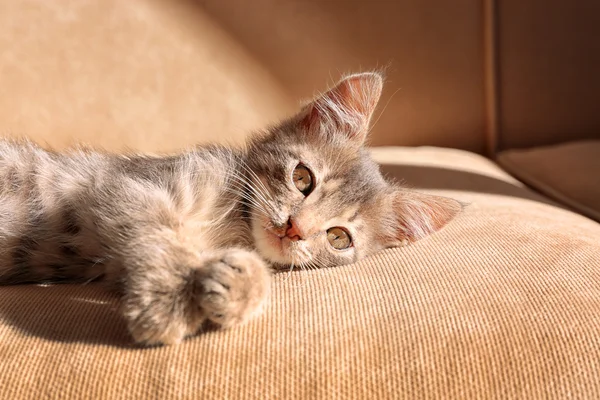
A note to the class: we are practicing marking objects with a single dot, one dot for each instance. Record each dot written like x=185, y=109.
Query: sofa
x=490, y=103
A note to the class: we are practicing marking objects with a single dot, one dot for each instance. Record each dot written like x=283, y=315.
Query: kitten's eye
x=303, y=179
x=339, y=238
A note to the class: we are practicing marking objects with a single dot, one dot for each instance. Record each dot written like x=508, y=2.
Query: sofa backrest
x=549, y=71
x=158, y=75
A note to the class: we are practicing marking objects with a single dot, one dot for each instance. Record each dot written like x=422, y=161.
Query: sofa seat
x=502, y=303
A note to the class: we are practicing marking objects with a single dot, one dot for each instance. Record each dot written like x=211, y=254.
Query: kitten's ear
x=417, y=215
x=346, y=109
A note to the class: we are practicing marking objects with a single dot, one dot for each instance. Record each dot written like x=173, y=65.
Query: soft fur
x=190, y=238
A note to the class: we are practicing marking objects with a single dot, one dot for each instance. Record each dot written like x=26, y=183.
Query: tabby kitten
x=190, y=238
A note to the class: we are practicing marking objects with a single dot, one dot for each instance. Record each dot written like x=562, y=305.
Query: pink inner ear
x=361, y=93
x=346, y=108
x=419, y=215
x=312, y=119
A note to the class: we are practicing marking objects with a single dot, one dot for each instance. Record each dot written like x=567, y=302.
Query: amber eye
x=303, y=179
x=339, y=238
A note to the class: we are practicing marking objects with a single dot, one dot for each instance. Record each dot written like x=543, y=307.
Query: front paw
x=164, y=305
x=234, y=286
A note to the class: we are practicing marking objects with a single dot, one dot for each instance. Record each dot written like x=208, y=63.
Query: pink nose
x=293, y=231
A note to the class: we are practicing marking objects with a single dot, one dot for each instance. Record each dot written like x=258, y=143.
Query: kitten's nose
x=293, y=231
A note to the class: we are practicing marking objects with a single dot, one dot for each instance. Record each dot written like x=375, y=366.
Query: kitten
x=190, y=238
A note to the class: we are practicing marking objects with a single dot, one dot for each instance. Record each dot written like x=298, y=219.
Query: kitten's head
x=318, y=198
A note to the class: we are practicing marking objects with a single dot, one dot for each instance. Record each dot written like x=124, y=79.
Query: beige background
x=164, y=74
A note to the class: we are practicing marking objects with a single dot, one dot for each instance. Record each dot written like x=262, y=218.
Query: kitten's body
x=189, y=237
x=69, y=216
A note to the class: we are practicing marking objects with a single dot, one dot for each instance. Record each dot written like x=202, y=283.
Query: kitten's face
x=317, y=197
x=329, y=196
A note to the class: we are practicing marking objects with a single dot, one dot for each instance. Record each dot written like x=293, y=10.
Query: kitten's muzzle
x=291, y=230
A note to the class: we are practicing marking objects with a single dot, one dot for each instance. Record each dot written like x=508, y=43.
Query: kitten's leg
x=173, y=280
x=174, y=291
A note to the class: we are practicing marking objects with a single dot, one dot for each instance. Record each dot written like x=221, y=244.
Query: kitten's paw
x=159, y=303
x=163, y=306
x=160, y=312
x=234, y=286
x=151, y=321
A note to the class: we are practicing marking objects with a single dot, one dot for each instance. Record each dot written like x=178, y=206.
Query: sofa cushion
x=503, y=302
x=569, y=173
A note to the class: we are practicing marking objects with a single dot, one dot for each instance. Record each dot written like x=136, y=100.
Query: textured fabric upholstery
x=502, y=303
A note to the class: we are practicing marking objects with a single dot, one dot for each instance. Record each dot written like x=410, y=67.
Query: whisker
x=248, y=200
x=289, y=274
x=249, y=170
x=241, y=183
x=262, y=190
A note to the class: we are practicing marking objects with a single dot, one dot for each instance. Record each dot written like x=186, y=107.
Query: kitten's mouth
x=275, y=240
x=278, y=241
x=273, y=244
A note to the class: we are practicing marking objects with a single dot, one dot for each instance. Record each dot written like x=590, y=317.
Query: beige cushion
x=502, y=303
x=570, y=173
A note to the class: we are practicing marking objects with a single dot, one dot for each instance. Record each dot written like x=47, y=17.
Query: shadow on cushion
x=65, y=313
x=436, y=178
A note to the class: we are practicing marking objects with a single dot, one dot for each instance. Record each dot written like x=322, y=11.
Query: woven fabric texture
x=502, y=303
